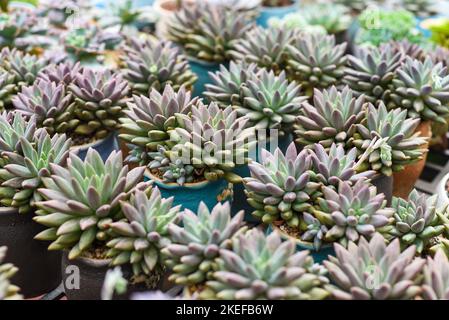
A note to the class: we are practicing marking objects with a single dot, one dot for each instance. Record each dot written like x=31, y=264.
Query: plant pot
x=384, y=185
x=104, y=147
x=190, y=195
x=240, y=202
x=443, y=199
x=266, y=13
x=318, y=256
x=39, y=270
x=202, y=69
x=91, y=274
x=405, y=180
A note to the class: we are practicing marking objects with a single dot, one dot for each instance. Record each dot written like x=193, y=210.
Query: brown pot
x=405, y=180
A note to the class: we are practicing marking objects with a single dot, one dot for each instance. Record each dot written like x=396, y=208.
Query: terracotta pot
x=39, y=270
x=405, y=180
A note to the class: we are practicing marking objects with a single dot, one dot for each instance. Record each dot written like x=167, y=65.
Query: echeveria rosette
x=371, y=72
x=24, y=172
x=407, y=48
x=7, y=271
x=153, y=63
x=83, y=199
x=387, y=142
x=208, y=32
x=436, y=278
x=62, y=73
x=140, y=237
x=314, y=230
x=148, y=120
x=265, y=47
x=336, y=165
x=51, y=103
x=422, y=88
x=416, y=221
x=100, y=98
x=226, y=84
x=353, y=211
x=280, y=186
x=270, y=101
x=213, y=140
x=264, y=267
x=195, y=246
x=15, y=26
x=316, y=61
x=374, y=271
x=332, y=118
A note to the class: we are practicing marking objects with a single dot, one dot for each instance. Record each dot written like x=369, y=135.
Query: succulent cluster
x=100, y=98
x=62, y=73
x=148, y=121
x=264, y=47
x=372, y=71
x=7, y=271
x=423, y=89
x=195, y=246
x=388, y=141
x=280, y=187
x=154, y=64
x=141, y=236
x=264, y=267
x=15, y=26
x=208, y=32
x=353, y=211
x=436, y=278
x=331, y=119
x=374, y=271
x=316, y=61
x=82, y=199
x=416, y=221
x=213, y=140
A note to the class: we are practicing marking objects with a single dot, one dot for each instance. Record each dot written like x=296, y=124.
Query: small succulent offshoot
x=7, y=271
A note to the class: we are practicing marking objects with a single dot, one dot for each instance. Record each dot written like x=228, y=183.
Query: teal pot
x=240, y=202
x=266, y=13
x=190, y=195
x=202, y=69
x=420, y=24
x=39, y=269
x=104, y=147
x=318, y=256
x=384, y=185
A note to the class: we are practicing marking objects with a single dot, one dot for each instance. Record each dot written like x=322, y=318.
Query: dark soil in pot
x=91, y=273
x=39, y=269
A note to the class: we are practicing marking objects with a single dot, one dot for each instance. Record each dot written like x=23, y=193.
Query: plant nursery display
x=224, y=150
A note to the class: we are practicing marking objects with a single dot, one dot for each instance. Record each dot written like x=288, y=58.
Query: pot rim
x=97, y=263
x=173, y=185
x=8, y=210
x=93, y=144
x=443, y=197
x=305, y=244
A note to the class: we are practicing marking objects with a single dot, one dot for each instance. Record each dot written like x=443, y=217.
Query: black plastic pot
x=91, y=274
x=384, y=185
x=39, y=269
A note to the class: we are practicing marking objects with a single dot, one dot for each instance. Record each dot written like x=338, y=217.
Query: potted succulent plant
x=141, y=235
x=388, y=142
x=26, y=157
x=207, y=33
x=363, y=271
x=421, y=88
x=275, y=9
x=326, y=68
x=79, y=204
x=7, y=271
x=192, y=254
x=417, y=221
x=299, y=279
x=435, y=282
x=269, y=102
x=152, y=63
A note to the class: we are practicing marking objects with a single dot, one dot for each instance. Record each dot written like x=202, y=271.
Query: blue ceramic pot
x=104, y=147
x=240, y=202
x=318, y=256
x=202, y=69
x=266, y=13
x=190, y=195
